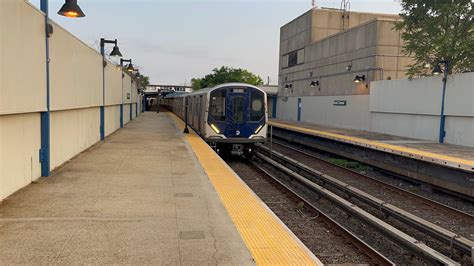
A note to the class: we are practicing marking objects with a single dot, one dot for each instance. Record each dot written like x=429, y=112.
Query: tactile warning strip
x=270, y=242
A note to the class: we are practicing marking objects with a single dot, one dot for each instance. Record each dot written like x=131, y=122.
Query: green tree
x=143, y=80
x=435, y=30
x=224, y=75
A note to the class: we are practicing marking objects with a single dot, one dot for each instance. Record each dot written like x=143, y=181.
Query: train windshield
x=238, y=109
x=257, y=109
x=217, y=106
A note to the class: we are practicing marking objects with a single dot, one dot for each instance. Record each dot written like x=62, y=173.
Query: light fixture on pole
x=45, y=122
x=314, y=83
x=437, y=69
x=358, y=79
x=130, y=69
x=71, y=9
x=115, y=52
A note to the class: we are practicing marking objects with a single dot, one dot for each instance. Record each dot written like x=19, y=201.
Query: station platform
x=444, y=167
x=146, y=195
x=447, y=155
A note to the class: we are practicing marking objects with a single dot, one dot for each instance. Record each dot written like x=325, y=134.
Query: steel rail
x=450, y=238
x=355, y=240
x=393, y=233
x=436, y=204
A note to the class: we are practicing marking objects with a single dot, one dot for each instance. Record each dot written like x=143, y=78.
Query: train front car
x=236, y=118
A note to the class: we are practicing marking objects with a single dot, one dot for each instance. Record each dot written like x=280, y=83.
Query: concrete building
x=323, y=51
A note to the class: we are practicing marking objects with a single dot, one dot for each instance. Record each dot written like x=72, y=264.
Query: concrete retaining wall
x=408, y=108
x=76, y=95
x=411, y=108
x=328, y=110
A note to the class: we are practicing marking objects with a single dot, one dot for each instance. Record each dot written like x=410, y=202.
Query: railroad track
x=325, y=237
x=355, y=178
x=343, y=195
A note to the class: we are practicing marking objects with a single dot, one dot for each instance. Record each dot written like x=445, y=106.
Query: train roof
x=206, y=90
x=175, y=94
x=237, y=84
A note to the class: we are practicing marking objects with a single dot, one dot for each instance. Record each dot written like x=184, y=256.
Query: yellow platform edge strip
x=382, y=145
x=269, y=241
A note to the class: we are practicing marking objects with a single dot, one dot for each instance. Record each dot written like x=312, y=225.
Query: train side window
x=257, y=109
x=217, y=106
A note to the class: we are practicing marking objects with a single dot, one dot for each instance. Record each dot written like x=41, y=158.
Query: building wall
x=324, y=110
x=112, y=113
x=126, y=113
x=76, y=94
x=21, y=54
x=365, y=48
x=408, y=108
x=326, y=22
x=73, y=131
x=19, y=146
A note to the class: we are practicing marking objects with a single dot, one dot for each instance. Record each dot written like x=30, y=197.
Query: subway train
x=231, y=118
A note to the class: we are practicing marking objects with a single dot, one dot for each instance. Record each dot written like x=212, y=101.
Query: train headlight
x=215, y=129
x=258, y=129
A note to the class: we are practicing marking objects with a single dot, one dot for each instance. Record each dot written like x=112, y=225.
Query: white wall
x=126, y=113
x=411, y=108
x=287, y=108
x=408, y=108
x=19, y=157
x=321, y=110
x=22, y=58
x=113, y=121
x=72, y=132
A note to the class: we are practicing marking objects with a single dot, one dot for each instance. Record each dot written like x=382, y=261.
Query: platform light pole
x=130, y=69
x=45, y=118
x=115, y=52
x=442, y=122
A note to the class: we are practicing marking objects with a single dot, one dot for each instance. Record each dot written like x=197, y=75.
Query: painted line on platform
x=431, y=157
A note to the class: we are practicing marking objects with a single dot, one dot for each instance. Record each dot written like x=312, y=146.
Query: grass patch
x=349, y=164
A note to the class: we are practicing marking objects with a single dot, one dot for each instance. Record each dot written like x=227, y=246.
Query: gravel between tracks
x=324, y=246
x=441, y=217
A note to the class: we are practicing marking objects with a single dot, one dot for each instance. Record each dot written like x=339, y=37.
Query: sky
x=172, y=41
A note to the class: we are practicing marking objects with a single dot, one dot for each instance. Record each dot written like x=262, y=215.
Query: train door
x=193, y=99
x=200, y=114
x=237, y=112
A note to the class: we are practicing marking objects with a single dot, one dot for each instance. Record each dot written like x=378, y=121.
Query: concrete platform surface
x=140, y=197
x=454, y=156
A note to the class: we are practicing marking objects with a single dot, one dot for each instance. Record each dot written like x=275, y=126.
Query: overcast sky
x=173, y=41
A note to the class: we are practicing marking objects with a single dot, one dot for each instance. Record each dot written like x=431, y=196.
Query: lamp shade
x=130, y=68
x=70, y=9
x=437, y=70
x=358, y=78
x=116, y=52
